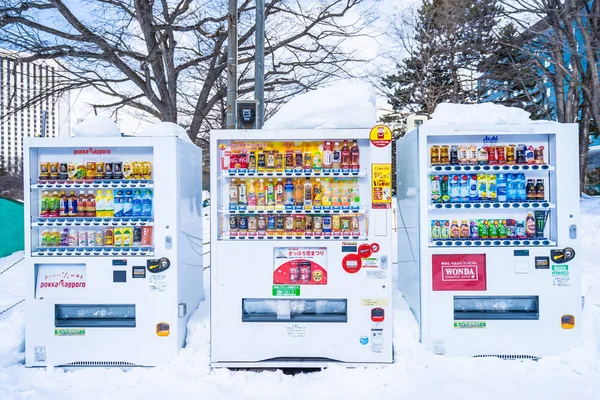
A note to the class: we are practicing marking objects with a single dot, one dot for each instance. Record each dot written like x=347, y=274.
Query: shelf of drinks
x=530, y=205
x=93, y=221
x=449, y=169
x=297, y=174
x=122, y=183
x=348, y=212
x=92, y=251
x=294, y=237
x=493, y=243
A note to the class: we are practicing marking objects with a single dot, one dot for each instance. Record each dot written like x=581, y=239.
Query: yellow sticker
x=380, y=136
x=381, y=186
x=374, y=302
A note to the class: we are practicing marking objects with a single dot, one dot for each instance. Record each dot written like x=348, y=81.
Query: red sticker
x=352, y=263
x=364, y=250
x=375, y=247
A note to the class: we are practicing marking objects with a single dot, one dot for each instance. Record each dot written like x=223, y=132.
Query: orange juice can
x=146, y=236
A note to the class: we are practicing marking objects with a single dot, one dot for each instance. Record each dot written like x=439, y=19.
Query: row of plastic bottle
x=298, y=194
x=103, y=203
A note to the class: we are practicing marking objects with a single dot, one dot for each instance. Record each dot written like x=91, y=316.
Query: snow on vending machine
x=487, y=238
x=113, y=249
x=301, y=242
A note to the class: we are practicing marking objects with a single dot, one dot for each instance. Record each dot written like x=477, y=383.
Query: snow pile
x=98, y=125
x=473, y=114
x=166, y=129
x=347, y=104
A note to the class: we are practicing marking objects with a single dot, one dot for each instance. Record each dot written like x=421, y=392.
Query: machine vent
x=509, y=356
x=99, y=364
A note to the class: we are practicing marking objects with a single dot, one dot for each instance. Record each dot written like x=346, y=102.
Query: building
x=21, y=83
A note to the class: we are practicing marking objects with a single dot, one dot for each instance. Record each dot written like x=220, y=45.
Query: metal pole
x=259, y=63
x=232, y=60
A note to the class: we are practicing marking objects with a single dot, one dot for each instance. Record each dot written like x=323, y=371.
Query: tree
x=167, y=59
x=448, y=42
x=565, y=42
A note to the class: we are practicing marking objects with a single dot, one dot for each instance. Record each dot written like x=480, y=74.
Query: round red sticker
x=380, y=136
x=352, y=263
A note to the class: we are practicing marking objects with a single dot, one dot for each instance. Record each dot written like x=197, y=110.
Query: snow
x=416, y=372
x=347, y=104
x=473, y=114
x=97, y=125
x=166, y=129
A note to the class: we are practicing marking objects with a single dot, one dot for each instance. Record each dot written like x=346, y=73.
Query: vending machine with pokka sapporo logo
x=300, y=247
x=113, y=249
x=487, y=237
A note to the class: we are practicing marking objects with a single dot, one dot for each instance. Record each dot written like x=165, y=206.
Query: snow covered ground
x=415, y=374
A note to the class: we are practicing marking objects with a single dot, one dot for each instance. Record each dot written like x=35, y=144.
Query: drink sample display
x=126, y=236
x=483, y=187
x=95, y=170
x=309, y=157
x=511, y=154
x=96, y=204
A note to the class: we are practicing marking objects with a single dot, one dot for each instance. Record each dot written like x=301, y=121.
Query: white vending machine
x=488, y=238
x=300, y=248
x=113, y=249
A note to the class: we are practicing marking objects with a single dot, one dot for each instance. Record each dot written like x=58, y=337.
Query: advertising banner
x=56, y=280
x=382, y=186
x=458, y=272
x=300, y=266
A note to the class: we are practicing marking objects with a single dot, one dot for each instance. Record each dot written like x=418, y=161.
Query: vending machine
x=488, y=238
x=113, y=249
x=300, y=247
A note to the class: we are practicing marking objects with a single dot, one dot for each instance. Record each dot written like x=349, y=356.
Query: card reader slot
x=496, y=308
x=302, y=310
x=94, y=315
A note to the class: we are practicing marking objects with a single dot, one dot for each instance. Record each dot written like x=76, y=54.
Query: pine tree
x=452, y=39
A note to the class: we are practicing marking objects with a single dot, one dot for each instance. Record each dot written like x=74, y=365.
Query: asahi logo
x=459, y=273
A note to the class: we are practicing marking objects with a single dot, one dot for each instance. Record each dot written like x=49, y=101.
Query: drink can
x=108, y=170
x=233, y=225
x=136, y=170
x=289, y=161
x=435, y=189
x=436, y=230
x=435, y=155
x=118, y=170
x=243, y=225
x=305, y=271
x=308, y=225
x=243, y=160
x=492, y=155
x=109, y=237
x=280, y=224
x=539, y=155
x=53, y=170
x=445, y=230
x=271, y=223
x=454, y=155
x=99, y=170
x=137, y=235
x=127, y=170
x=501, y=155
x=445, y=155
x=520, y=154
x=71, y=171
x=308, y=161
x=90, y=168
x=146, y=236
x=462, y=155
x=294, y=271
x=91, y=238
x=299, y=225
x=99, y=238
x=336, y=223
x=510, y=154
x=261, y=161
x=317, y=225
x=472, y=154
x=278, y=160
x=234, y=160
x=346, y=225
x=298, y=159
x=146, y=170
x=44, y=170
x=482, y=156
x=83, y=238
x=530, y=155
x=252, y=161
x=326, y=225
x=270, y=160
x=289, y=224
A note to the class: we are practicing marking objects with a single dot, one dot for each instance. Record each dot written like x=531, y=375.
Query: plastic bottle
x=109, y=204
x=464, y=189
x=72, y=204
x=355, y=156
x=128, y=203
x=454, y=189
x=327, y=155
x=81, y=205
x=346, y=194
x=54, y=205
x=317, y=193
x=327, y=193
x=44, y=205
x=251, y=195
x=336, y=199
x=147, y=204
x=308, y=194
x=289, y=193
x=473, y=192
x=91, y=205
x=345, y=156
x=530, y=226
x=270, y=192
x=336, y=158
x=242, y=194
x=317, y=160
x=261, y=199
x=355, y=195
x=100, y=204
x=511, y=188
x=501, y=187
x=233, y=194
x=136, y=203
x=279, y=195
x=298, y=193
x=118, y=204
x=73, y=238
x=64, y=237
x=63, y=207
x=521, y=188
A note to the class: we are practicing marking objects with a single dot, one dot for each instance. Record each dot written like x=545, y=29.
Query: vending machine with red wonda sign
x=301, y=241
x=113, y=249
x=487, y=238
